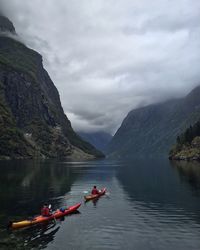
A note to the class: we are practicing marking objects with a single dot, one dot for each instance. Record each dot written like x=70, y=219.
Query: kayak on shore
x=95, y=196
x=59, y=213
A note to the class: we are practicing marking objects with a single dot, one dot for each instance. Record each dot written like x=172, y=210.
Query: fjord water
x=151, y=204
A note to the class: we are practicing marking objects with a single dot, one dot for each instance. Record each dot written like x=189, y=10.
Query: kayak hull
x=41, y=219
x=95, y=196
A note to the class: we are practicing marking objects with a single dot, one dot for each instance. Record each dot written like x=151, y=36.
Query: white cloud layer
x=107, y=57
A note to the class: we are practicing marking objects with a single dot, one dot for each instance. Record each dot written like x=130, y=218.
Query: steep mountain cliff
x=153, y=129
x=6, y=25
x=32, y=120
x=99, y=140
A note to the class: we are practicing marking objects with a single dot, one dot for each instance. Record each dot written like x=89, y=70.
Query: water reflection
x=26, y=185
x=149, y=180
x=154, y=184
x=36, y=237
x=94, y=201
x=150, y=204
x=189, y=172
x=39, y=237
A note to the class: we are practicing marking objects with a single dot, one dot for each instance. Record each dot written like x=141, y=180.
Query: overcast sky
x=107, y=57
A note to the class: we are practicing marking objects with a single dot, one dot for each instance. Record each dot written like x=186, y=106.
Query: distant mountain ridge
x=99, y=140
x=152, y=130
x=32, y=121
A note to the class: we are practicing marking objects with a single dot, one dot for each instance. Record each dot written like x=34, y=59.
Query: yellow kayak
x=40, y=219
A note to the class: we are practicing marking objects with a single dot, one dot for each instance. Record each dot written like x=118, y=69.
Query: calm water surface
x=151, y=204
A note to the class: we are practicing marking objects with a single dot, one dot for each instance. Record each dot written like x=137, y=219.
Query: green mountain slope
x=153, y=129
x=99, y=140
x=31, y=111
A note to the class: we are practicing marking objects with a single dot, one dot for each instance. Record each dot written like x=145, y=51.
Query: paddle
x=52, y=214
x=49, y=206
x=106, y=193
x=86, y=192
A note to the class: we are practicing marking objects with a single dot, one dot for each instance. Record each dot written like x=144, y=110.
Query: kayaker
x=95, y=190
x=45, y=211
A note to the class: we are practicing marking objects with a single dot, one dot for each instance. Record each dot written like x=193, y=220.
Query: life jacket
x=45, y=211
x=95, y=191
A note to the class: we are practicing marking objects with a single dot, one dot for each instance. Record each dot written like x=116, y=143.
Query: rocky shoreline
x=189, y=152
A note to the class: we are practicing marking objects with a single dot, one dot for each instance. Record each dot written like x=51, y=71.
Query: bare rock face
x=30, y=107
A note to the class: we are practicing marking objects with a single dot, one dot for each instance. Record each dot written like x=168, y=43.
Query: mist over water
x=151, y=204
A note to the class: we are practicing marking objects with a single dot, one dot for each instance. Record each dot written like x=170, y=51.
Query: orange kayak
x=95, y=196
x=40, y=219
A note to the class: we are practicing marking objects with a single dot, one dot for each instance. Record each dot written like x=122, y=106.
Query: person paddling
x=45, y=211
x=95, y=190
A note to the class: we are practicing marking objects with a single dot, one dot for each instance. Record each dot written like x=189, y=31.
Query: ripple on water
x=134, y=216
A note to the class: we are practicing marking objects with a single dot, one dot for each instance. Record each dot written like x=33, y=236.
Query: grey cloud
x=87, y=115
x=108, y=57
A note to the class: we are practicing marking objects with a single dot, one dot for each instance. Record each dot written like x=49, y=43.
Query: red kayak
x=95, y=196
x=40, y=219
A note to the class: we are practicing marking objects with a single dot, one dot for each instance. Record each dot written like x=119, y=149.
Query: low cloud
x=107, y=57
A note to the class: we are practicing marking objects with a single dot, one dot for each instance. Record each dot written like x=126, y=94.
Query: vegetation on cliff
x=32, y=121
x=151, y=130
x=18, y=57
x=12, y=141
x=187, y=145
